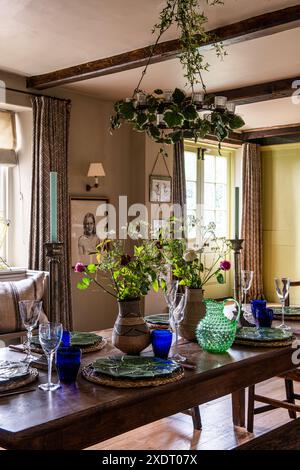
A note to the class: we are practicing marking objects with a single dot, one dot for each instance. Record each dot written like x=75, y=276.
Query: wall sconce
x=95, y=170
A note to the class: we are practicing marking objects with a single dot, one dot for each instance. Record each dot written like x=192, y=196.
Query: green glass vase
x=216, y=333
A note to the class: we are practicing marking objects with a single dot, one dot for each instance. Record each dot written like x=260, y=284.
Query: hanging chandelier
x=168, y=116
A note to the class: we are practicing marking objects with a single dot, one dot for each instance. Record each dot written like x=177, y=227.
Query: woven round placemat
x=265, y=344
x=101, y=379
x=84, y=349
x=13, y=384
x=157, y=326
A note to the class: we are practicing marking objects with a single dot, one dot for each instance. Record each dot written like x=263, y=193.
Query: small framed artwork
x=88, y=214
x=160, y=188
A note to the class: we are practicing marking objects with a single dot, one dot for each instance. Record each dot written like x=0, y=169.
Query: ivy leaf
x=190, y=112
x=235, y=122
x=173, y=118
x=154, y=132
x=127, y=110
x=175, y=136
x=163, y=284
x=220, y=278
x=178, y=96
x=141, y=119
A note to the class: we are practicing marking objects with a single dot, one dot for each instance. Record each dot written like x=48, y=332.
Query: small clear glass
x=30, y=311
x=50, y=335
x=177, y=317
x=170, y=294
x=246, y=281
x=282, y=290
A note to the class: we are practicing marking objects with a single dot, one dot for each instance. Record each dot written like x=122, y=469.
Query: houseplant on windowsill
x=130, y=278
x=195, y=268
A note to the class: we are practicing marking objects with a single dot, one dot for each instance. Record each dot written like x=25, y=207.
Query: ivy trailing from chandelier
x=169, y=116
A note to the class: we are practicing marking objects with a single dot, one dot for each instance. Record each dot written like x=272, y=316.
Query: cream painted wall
x=281, y=221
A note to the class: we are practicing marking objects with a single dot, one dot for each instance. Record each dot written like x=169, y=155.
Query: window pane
x=221, y=196
x=209, y=168
x=209, y=216
x=190, y=161
x=221, y=170
x=221, y=223
x=6, y=130
x=191, y=229
x=209, y=196
x=191, y=194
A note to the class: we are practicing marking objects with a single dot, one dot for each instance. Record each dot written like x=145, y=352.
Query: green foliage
x=194, y=268
x=130, y=277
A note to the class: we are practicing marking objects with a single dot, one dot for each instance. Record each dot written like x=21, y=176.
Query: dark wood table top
x=76, y=416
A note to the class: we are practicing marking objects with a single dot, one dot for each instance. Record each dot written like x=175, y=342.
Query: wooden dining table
x=83, y=414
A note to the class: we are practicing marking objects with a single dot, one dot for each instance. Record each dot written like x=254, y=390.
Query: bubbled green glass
x=216, y=333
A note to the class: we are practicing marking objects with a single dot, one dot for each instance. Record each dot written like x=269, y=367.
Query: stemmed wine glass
x=177, y=317
x=282, y=290
x=246, y=281
x=30, y=311
x=170, y=294
x=50, y=335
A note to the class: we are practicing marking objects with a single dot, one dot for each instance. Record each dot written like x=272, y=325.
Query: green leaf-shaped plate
x=293, y=311
x=78, y=338
x=135, y=367
x=262, y=334
x=159, y=319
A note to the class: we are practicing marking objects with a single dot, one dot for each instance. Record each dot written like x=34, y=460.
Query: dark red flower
x=225, y=265
x=79, y=268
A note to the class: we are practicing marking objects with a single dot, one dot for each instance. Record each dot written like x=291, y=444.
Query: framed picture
x=86, y=214
x=160, y=188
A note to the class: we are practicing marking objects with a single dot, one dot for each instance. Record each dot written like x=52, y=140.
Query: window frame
x=5, y=189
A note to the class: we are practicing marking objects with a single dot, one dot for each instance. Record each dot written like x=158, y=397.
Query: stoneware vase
x=130, y=334
x=194, y=312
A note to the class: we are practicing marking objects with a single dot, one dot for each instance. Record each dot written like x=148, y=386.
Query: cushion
x=11, y=292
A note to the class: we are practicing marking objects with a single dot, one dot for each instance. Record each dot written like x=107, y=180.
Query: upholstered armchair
x=15, y=285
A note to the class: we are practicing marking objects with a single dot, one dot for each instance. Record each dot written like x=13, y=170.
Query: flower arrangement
x=129, y=276
x=190, y=266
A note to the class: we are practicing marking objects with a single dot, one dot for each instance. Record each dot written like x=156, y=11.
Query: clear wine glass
x=50, y=335
x=170, y=294
x=246, y=281
x=30, y=311
x=177, y=316
x=282, y=290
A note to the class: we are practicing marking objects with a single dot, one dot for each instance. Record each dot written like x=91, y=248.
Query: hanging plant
x=169, y=117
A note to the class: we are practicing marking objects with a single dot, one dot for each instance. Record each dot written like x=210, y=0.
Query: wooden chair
x=271, y=404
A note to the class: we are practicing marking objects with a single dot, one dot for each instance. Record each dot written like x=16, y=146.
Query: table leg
x=238, y=408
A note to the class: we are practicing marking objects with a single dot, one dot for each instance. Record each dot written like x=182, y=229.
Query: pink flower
x=225, y=265
x=79, y=268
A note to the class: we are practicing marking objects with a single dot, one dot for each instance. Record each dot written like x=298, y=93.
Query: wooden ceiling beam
x=258, y=26
x=276, y=131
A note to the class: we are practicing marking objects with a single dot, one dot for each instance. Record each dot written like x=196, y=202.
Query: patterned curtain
x=179, y=184
x=50, y=153
x=252, y=217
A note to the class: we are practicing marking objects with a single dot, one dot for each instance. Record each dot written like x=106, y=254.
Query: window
x=3, y=211
x=207, y=188
x=7, y=158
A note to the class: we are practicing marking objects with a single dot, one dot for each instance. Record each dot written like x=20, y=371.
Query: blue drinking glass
x=264, y=318
x=67, y=364
x=161, y=341
x=257, y=306
x=66, y=339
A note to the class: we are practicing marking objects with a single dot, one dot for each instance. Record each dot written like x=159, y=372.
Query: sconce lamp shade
x=96, y=169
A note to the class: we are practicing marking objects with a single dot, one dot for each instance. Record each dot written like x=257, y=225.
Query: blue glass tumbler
x=257, y=306
x=67, y=364
x=66, y=339
x=161, y=341
x=264, y=318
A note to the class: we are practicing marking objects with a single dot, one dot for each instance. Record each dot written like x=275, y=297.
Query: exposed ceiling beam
x=263, y=91
x=277, y=131
x=255, y=27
